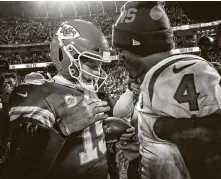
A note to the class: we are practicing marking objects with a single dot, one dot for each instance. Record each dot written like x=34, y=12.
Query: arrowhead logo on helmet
x=67, y=32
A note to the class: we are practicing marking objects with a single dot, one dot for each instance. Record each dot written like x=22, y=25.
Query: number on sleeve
x=186, y=92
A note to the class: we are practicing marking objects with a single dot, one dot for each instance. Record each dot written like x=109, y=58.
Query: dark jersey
x=84, y=152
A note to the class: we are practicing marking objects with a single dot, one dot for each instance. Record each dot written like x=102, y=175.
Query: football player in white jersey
x=180, y=100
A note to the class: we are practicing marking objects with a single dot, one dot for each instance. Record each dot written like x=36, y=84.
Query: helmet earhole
x=60, y=55
x=73, y=71
x=70, y=48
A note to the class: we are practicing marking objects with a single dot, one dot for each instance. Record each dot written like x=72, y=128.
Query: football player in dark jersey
x=56, y=127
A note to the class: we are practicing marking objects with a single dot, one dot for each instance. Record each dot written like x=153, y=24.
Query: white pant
x=164, y=167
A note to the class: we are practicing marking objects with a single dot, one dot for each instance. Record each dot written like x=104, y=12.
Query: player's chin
x=88, y=80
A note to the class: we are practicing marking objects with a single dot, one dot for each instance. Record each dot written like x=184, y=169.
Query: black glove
x=29, y=129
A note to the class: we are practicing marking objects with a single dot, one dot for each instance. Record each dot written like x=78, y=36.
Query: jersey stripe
x=44, y=116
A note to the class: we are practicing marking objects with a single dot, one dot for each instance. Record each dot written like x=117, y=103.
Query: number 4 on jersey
x=186, y=92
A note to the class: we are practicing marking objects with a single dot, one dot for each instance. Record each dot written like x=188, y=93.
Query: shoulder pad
x=24, y=91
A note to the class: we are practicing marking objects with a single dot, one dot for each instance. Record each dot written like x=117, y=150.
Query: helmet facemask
x=77, y=62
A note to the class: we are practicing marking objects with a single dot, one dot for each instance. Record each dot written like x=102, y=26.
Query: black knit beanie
x=143, y=28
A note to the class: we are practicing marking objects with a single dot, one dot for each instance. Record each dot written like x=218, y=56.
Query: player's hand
x=134, y=86
x=133, y=63
x=30, y=129
x=129, y=135
x=82, y=115
x=127, y=153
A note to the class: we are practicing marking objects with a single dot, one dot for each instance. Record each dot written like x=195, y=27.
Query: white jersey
x=180, y=86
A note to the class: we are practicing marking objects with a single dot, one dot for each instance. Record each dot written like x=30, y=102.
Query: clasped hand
x=128, y=148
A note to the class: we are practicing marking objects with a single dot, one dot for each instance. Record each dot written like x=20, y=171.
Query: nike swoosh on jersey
x=23, y=94
x=177, y=70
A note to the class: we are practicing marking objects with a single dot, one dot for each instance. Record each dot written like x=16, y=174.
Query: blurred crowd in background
x=37, y=30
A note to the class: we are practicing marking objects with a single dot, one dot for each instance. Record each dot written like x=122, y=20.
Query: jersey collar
x=59, y=79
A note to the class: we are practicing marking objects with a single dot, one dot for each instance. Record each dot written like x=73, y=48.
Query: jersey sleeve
x=124, y=107
x=29, y=101
x=35, y=144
